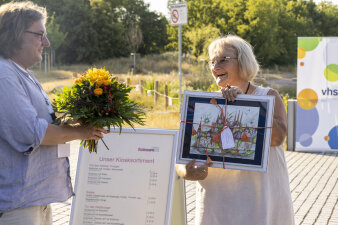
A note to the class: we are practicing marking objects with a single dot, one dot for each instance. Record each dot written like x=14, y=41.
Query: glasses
x=221, y=61
x=42, y=35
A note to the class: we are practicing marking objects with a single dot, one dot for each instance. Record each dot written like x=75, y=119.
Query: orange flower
x=99, y=82
x=77, y=81
x=107, y=82
x=98, y=91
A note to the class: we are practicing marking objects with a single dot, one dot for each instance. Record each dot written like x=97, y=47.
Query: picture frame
x=249, y=119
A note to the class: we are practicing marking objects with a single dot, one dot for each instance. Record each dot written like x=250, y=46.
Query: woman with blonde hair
x=235, y=197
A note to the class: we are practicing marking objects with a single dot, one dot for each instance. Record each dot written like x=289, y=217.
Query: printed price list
x=150, y=218
x=99, y=174
x=152, y=179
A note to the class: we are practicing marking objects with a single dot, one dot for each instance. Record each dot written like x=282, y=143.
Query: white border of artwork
x=228, y=165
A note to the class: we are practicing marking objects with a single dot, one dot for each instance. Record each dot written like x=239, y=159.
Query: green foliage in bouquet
x=98, y=100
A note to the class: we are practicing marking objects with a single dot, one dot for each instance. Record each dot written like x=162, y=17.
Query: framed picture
x=205, y=117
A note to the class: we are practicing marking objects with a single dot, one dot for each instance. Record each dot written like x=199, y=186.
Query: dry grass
x=53, y=80
x=165, y=120
x=53, y=75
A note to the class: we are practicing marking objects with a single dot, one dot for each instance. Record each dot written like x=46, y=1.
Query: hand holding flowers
x=98, y=100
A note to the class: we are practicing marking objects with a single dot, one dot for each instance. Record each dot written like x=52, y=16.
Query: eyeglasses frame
x=42, y=35
x=211, y=64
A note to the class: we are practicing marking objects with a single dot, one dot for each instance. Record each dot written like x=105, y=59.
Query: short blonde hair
x=248, y=65
x=15, y=18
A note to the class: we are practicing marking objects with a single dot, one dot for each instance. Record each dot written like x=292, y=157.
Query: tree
x=200, y=38
x=327, y=21
x=55, y=36
x=110, y=31
x=84, y=31
x=81, y=42
x=134, y=36
x=203, y=12
x=271, y=26
x=154, y=29
x=200, y=14
x=262, y=29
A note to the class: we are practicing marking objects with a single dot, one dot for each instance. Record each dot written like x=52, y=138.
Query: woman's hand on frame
x=231, y=92
x=194, y=172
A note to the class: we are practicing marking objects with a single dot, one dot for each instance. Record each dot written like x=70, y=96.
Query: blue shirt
x=31, y=174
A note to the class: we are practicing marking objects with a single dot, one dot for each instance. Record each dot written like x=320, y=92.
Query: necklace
x=247, y=89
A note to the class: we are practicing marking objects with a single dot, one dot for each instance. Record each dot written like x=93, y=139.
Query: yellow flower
x=98, y=91
x=95, y=74
x=77, y=81
x=107, y=82
x=99, y=82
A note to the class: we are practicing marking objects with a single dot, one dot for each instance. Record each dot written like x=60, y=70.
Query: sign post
x=179, y=17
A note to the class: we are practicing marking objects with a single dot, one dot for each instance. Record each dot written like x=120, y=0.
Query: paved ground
x=313, y=182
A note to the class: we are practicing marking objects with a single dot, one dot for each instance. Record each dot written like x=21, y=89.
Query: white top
x=235, y=197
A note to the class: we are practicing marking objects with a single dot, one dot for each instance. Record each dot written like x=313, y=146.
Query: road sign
x=179, y=14
x=179, y=17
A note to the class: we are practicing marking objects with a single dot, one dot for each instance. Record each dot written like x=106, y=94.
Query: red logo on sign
x=174, y=16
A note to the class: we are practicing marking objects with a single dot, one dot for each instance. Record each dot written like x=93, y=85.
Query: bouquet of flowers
x=97, y=99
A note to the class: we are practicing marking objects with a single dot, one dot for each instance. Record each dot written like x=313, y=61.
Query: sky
x=158, y=6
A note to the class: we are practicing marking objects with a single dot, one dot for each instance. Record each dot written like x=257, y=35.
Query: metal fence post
x=291, y=130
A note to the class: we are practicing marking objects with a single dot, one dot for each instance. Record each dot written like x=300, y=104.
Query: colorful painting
x=208, y=122
x=244, y=125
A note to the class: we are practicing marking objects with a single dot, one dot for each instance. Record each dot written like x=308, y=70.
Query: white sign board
x=317, y=94
x=179, y=14
x=132, y=183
